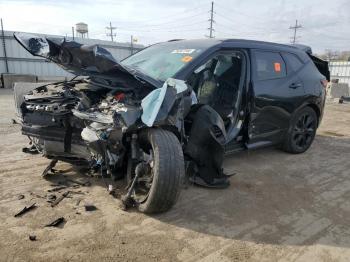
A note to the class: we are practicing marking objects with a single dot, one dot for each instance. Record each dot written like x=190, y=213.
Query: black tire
x=168, y=171
x=301, y=132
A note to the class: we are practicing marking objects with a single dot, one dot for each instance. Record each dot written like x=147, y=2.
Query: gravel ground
x=279, y=207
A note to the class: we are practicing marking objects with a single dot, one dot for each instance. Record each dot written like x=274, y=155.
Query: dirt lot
x=280, y=207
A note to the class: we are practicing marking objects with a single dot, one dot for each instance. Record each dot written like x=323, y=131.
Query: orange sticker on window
x=186, y=59
x=277, y=67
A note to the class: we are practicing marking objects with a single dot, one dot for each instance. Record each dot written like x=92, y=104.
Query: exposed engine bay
x=70, y=116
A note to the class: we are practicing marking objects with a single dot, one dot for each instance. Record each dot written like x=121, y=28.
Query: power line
x=295, y=28
x=175, y=21
x=230, y=11
x=161, y=19
x=111, y=28
x=160, y=29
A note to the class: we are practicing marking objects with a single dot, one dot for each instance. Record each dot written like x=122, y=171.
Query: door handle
x=295, y=85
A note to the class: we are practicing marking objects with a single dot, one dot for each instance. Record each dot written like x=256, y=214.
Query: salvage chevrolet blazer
x=172, y=110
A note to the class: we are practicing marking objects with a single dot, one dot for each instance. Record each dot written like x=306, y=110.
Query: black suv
x=172, y=108
x=266, y=93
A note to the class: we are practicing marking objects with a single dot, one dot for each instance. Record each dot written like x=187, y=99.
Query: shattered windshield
x=162, y=61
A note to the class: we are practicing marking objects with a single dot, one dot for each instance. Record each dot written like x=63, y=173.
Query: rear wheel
x=301, y=132
x=158, y=189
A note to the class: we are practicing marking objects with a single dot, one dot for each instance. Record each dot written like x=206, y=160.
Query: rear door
x=276, y=90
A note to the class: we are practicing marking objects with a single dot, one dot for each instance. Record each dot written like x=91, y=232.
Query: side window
x=216, y=82
x=269, y=65
x=293, y=62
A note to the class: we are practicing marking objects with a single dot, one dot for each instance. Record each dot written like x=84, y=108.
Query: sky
x=325, y=23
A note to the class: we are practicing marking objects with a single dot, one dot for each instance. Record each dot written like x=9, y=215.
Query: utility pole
x=295, y=28
x=211, y=20
x=4, y=46
x=73, y=32
x=132, y=44
x=111, y=28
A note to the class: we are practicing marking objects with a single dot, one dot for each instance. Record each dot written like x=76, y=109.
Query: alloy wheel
x=304, y=131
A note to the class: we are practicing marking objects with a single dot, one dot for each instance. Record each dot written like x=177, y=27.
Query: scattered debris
x=57, y=189
x=77, y=192
x=30, y=150
x=51, y=198
x=25, y=210
x=90, y=208
x=19, y=197
x=56, y=184
x=87, y=183
x=59, y=199
x=14, y=121
x=36, y=195
x=32, y=237
x=78, y=202
x=49, y=167
x=56, y=222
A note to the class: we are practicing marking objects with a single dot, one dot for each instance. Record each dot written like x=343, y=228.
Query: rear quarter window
x=293, y=62
x=269, y=65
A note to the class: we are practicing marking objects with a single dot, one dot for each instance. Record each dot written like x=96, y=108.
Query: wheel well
x=317, y=111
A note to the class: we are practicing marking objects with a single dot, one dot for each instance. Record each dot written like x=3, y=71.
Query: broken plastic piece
x=56, y=222
x=25, y=210
x=90, y=208
x=51, y=198
x=30, y=150
x=59, y=199
x=56, y=189
x=19, y=197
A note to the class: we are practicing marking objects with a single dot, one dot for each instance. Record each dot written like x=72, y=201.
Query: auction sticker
x=183, y=51
x=186, y=59
x=277, y=67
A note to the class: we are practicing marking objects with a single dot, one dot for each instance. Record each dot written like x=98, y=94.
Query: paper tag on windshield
x=183, y=51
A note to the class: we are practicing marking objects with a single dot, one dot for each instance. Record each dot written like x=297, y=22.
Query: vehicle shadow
x=276, y=198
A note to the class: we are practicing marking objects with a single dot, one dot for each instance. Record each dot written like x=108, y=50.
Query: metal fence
x=15, y=59
x=340, y=71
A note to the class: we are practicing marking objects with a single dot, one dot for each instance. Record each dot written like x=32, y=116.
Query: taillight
x=324, y=83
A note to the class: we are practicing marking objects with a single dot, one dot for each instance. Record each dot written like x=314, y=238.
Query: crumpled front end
x=81, y=121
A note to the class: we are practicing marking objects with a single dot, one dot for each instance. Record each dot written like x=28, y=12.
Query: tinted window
x=293, y=61
x=269, y=65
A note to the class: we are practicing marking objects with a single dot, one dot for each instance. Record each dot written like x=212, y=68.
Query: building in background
x=18, y=61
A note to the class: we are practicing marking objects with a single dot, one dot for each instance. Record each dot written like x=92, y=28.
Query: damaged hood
x=85, y=60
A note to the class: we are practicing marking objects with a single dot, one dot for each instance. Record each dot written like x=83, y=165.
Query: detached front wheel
x=158, y=188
